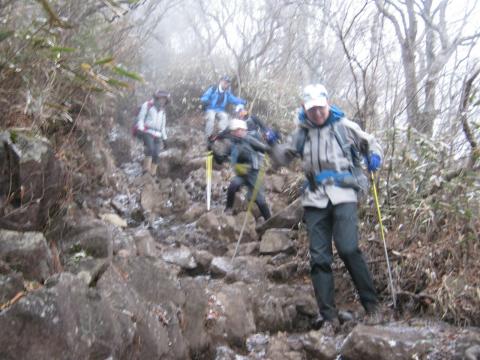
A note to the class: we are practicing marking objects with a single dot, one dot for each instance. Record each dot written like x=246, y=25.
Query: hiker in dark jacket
x=244, y=153
x=330, y=200
x=215, y=101
x=151, y=122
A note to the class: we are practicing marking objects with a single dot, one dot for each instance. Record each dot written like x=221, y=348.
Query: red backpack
x=134, y=130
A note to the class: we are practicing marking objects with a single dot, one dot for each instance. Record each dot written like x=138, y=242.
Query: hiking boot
x=147, y=164
x=374, y=317
x=153, y=169
x=228, y=211
x=345, y=316
x=328, y=327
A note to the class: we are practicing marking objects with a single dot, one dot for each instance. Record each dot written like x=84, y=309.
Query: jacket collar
x=335, y=115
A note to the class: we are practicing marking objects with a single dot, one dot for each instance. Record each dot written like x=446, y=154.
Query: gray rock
x=230, y=317
x=179, y=197
x=75, y=233
x=155, y=201
x=283, y=272
x=181, y=256
x=10, y=285
x=381, y=342
x=220, y=266
x=283, y=307
x=275, y=241
x=27, y=253
x=275, y=183
x=203, y=259
x=31, y=177
x=149, y=295
x=122, y=241
x=145, y=243
x=248, y=269
x=64, y=320
x=318, y=346
x=279, y=347
x=88, y=269
x=473, y=353
x=287, y=218
x=226, y=228
x=194, y=212
x=194, y=314
x=244, y=249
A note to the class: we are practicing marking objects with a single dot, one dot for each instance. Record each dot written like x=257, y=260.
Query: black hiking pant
x=340, y=222
x=249, y=181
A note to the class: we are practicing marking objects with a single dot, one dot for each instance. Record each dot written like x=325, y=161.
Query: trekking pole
x=209, y=178
x=375, y=195
x=256, y=189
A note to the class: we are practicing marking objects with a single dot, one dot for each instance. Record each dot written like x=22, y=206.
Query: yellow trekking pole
x=256, y=189
x=375, y=195
x=208, y=172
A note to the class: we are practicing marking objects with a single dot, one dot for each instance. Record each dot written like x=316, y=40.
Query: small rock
x=115, y=220
x=181, y=256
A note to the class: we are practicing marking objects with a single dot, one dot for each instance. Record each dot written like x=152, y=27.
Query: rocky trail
x=138, y=269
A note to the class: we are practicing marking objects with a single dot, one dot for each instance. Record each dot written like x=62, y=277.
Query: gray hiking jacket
x=322, y=151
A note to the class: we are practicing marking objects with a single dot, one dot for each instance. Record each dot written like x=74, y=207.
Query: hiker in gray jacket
x=327, y=142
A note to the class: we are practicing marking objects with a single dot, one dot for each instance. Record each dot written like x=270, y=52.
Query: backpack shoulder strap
x=301, y=139
x=341, y=136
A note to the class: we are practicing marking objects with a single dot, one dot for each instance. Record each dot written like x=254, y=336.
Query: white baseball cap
x=314, y=95
x=238, y=124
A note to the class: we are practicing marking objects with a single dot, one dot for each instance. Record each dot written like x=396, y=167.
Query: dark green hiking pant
x=339, y=221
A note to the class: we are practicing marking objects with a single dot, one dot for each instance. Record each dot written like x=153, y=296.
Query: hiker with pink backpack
x=150, y=126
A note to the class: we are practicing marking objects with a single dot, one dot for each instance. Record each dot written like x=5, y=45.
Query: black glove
x=219, y=159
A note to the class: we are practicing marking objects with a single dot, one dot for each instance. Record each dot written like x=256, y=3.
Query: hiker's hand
x=271, y=136
x=141, y=128
x=373, y=162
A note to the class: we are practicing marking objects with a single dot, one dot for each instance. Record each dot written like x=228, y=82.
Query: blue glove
x=373, y=162
x=271, y=136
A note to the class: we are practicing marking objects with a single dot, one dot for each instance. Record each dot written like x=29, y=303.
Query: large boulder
x=149, y=295
x=230, y=315
x=27, y=253
x=65, y=320
x=11, y=283
x=415, y=340
x=367, y=342
x=32, y=181
x=77, y=233
x=283, y=307
x=195, y=312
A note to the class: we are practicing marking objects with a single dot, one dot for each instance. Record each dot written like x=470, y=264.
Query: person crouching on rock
x=243, y=151
x=151, y=122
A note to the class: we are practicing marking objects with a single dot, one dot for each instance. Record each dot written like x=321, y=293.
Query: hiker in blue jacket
x=326, y=140
x=215, y=101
